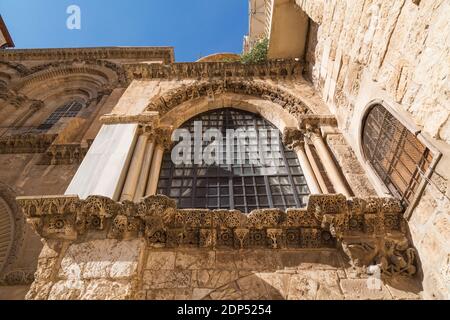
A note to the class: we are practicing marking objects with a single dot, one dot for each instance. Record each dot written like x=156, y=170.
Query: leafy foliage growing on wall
x=258, y=54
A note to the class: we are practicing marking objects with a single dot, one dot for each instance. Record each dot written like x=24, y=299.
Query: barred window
x=69, y=110
x=396, y=154
x=243, y=187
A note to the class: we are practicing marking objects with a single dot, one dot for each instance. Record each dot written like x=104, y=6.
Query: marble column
x=316, y=169
x=308, y=172
x=155, y=170
x=328, y=162
x=143, y=177
x=134, y=171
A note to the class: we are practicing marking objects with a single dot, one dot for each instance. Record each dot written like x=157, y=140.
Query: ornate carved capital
x=163, y=137
x=292, y=138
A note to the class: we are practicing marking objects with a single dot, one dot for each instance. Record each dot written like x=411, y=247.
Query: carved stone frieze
x=369, y=231
x=65, y=154
x=17, y=278
x=26, y=143
x=170, y=100
x=165, y=54
x=210, y=70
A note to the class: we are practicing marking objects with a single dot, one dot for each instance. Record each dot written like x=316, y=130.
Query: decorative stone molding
x=26, y=143
x=145, y=118
x=329, y=221
x=163, y=53
x=17, y=278
x=65, y=154
x=211, y=70
x=66, y=67
x=316, y=121
x=173, y=98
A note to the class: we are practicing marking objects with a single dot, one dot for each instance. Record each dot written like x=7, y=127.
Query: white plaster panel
x=104, y=167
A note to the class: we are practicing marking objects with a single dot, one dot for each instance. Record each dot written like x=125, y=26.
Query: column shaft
x=316, y=169
x=329, y=164
x=155, y=170
x=135, y=169
x=308, y=172
x=143, y=177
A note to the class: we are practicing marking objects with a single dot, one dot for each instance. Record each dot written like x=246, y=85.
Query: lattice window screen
x=244, y=187
x=69, y=110
x=395, y=153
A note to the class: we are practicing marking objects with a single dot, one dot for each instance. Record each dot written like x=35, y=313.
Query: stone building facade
x=359, y=92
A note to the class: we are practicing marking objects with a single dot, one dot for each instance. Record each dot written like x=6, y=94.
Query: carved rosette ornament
x=369, y=231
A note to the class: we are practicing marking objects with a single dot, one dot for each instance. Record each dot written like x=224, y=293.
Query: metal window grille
x=243, y=187
x=396, y=155
x=69, y=110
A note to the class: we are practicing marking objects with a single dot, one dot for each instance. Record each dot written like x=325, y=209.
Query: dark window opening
x=243, y=187
x=69, y=110
x=395, y=153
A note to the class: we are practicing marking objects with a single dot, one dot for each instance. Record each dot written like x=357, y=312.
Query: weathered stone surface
x=101, y=259
x=160, y=260
x=166, y=279
x=107, y=290
x=195, y=260
x=358, y=289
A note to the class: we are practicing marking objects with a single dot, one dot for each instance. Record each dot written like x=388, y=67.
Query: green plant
x=258, y=54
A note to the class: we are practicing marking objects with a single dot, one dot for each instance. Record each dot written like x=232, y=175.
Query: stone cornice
x=316, y=121
x=370, y=231
x=145, y=118
x=166, y=54
x=215, y=70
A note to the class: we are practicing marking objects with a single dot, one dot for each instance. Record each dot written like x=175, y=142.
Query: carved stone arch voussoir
x=112, y=73
x=169, y=100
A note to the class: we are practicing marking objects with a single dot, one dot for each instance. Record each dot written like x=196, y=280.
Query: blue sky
x=194, y=27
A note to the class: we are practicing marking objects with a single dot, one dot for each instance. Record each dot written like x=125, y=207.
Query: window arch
x=69, y=110
x=243, y=187
x=397, y=156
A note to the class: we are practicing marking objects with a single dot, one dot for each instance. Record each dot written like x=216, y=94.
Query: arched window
x=245, y=186
x=69, y=110
x=6, y=232
x=396, y=154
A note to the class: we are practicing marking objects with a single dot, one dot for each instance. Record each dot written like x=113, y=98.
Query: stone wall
x=101, y=249
x=110, y=269
x=398, y=52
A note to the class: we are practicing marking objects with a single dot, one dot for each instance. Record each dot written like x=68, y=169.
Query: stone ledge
x=369, y=231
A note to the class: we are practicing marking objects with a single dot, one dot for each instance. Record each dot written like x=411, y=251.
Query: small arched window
x=244, y=186
x=69, y=110
x=395, y=153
